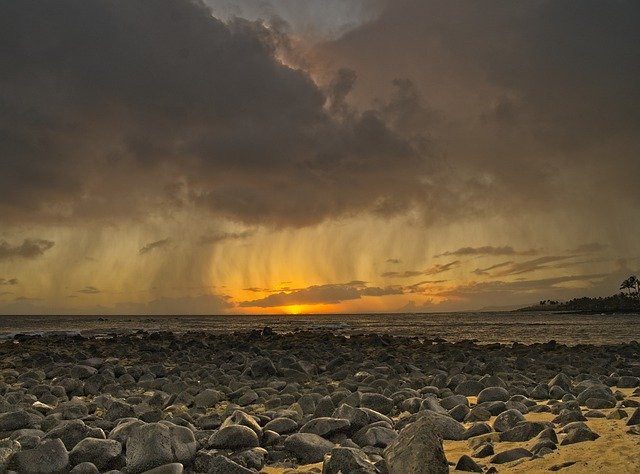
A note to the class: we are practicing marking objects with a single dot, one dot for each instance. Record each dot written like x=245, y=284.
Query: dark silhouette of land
x=619, y=303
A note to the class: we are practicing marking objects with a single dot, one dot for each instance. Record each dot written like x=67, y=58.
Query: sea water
x=482, y=327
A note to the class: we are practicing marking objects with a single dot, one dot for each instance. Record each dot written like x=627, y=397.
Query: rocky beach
x=265, y=401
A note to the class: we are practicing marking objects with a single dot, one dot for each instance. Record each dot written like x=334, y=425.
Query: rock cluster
x=207, y=403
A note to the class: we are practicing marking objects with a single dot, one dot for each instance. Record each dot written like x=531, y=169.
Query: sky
x=303, y=156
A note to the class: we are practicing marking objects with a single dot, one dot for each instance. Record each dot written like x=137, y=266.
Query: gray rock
x=459, y=412
x=118, y=410
x=524, y=431
x=493, y=394
x=123, y=430
x=601, y=392
x=251, y=458
x=17, y=420
x=568, y=416
x=617, y=414
x=308, y=447
x=477, y=429
x=417, y=450
x=149, y=446
x=442, y=425
x=324, y=407
x=281, y=425
x=105, y=454
x=578, y=435
x=72, y=432
x=234, y=437
x=635, y=418
x=223, y=465
x=263, y=367
x=50, y=457
x=241, y=418
x=478, y=414
x=348, y=460
x=377, y=402
x=453, y=400
x=183, y=442
x=207, y=398
x=432, y=404
x=465, y=463
x=85, y=468
x=628, y=381
x=325, y=426
x=484, y=450
x=540, y=392
x=599, y=403
x=171, y=468
x=511, y=455
x=561, y=380
x=8, y=448
x=248, y=398
x=378, y=436
x=507, y=420
x=357, y=417
x=469, y=388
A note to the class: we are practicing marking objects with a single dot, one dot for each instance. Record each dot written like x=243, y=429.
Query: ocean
x=482, y=327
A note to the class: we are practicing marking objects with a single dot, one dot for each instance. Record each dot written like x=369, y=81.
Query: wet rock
x=105, y=454
x=50, y=457
x=308, y=447
x=417, y=449
x=348, y=460
x=466, y=464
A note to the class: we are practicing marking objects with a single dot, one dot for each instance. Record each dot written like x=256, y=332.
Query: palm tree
x=628, y=284
x=635, y=284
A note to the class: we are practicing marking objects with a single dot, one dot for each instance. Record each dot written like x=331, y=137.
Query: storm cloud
x=321, y=294
x=118, y=108
x=29, y=248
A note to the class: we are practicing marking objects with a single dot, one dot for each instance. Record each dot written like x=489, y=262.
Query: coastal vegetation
x=628, y=300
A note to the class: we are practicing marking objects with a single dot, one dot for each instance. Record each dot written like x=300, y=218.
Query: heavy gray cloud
x=119, y=108
x=154, y=245
x=487, y=250
x=29, y=248
x=433, y=270
x=321, y=294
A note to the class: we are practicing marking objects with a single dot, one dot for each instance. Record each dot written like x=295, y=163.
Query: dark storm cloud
x=29, y=248
x=119, y=108
x=593, y=247
x=528, y=266
x=89, y=290
x=487, y=251
x=8, y=281
x=537, y=96
x=215, y=238
x=434, y=270
x=321, y=294
x=154, y=245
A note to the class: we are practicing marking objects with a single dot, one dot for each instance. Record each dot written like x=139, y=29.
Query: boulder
x=308, y=447
x=50, y=457
x=348, y=460
x=105, y=454
x=417, y=450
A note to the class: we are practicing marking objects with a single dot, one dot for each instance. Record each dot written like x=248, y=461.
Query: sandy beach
x=261, y=401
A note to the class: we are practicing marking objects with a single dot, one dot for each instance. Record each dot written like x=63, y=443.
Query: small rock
x=493, y=394
x=171, y=468
x=223, y=465
x=348, y=460
x=325, y=426
x=635, y=418
x=524, y=431
x=281, y=425
x=85, y=468
x=465, y=463
x=578, y=435
x=50, y=457
x=103, y=453
x=511, y=455
x=234, y=437
x=507, y=420
x=308, y=447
